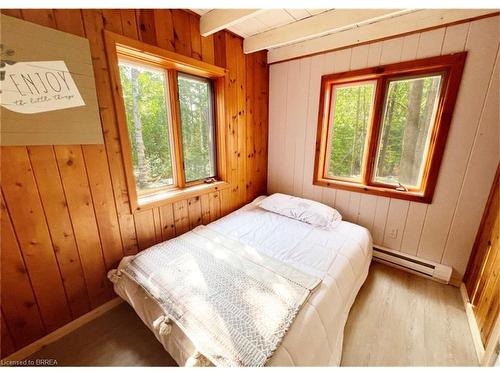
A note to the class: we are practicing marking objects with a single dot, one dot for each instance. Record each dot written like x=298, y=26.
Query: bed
x=339, y=257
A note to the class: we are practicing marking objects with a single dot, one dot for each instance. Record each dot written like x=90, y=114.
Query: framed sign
x=47, y=87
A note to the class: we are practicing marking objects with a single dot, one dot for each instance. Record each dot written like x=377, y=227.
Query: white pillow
x=304, y=210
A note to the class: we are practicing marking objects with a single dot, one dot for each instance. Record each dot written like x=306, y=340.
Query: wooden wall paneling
x=482, y=43
x=95, y=155
x=263, y=128
x=258, y=164
x=145, y=227
x=205, y=209
x=396, y=219
x=300, y=129
x=487, y=300
x=413, y=227
x=164, y=29
x=480, y=171
x=252, y=114
x=391, y=51
x=194, y=27
x=6, y=343
x=237, y=42
x=410, y=45
x=158, y=225
x=354, y=204
x=380, y=219
x=129, y=24
x=55, y=206
x=167, y=222
x=290, y=127
x=104, y=203
x=250, y=124
x=208, y=49
x=76, y=187
x=430, y=43
x=26, y=212
x=231, y=96
x=342, y=204
x=359, y=57
x=112, y=20
x=312, y=103
x=94, y=27
x=181, y=217
x=455, y=38
x=484, y=246
x=374, y=54
x=146, y=25
x=220, y=48
x=194, y=212
x=277, y=101
x=43, y=17
x=225, y=201
x=367, y=207
x=12, y=12
x=70, y=20
x=19, y=305
x=214, y=205
x=182, y=32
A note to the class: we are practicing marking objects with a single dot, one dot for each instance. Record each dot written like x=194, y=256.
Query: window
x=149, y=125
x=197, y=121
x=170, y=117
x=383, y=130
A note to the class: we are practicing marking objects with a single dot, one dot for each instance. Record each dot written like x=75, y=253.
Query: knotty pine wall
x=65, y=218
x=443, y=231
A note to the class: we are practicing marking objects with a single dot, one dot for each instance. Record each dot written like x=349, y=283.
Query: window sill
x=375, y=190
x=165, y=197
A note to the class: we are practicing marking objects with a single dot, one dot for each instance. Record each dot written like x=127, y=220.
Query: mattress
x=340, y=257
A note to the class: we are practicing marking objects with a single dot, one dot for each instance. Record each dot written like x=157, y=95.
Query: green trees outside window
x=148, y=120
x=197, y=126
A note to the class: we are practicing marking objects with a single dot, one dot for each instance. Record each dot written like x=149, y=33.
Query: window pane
x=196, y=107
x=409, y=112
x=144, y=95
x=351, y=107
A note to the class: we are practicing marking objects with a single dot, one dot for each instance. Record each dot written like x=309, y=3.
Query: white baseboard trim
x=474, y=329
x=63, y=331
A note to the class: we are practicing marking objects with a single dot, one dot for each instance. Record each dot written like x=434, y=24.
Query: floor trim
x=63, y=331
x=474, y=329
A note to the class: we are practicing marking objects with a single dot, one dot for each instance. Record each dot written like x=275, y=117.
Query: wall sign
x=47, y=87
x=38, y=86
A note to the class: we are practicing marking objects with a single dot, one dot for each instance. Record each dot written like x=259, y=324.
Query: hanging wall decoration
x=47, y=87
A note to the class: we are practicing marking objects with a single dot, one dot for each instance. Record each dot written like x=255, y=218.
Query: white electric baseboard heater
x=413, y=264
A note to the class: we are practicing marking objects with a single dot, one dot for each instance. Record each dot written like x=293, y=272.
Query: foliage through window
x=197, y=122
x=150, y=124
x=382, y=130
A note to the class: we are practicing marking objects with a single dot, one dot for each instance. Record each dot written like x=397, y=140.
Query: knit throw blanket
x=234, y=303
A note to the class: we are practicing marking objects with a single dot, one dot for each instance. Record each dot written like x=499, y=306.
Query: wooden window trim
x=118, y=46
x=452, y=67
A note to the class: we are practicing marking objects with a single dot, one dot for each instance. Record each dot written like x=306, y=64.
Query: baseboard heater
x=436, y=271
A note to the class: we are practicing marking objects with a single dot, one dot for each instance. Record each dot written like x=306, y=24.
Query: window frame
x=118, y=48
x=452, y=68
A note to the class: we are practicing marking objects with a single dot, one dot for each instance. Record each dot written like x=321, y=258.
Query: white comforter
x=340, y=257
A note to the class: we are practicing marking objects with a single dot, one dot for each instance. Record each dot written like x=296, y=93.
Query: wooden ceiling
x=290, y=33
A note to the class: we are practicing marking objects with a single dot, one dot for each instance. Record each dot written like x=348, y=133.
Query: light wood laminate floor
x=398, y=319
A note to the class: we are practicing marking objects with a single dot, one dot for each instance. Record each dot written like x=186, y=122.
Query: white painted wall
x=443, y=231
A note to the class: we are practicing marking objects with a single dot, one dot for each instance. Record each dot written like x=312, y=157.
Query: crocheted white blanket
x=234, y=303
